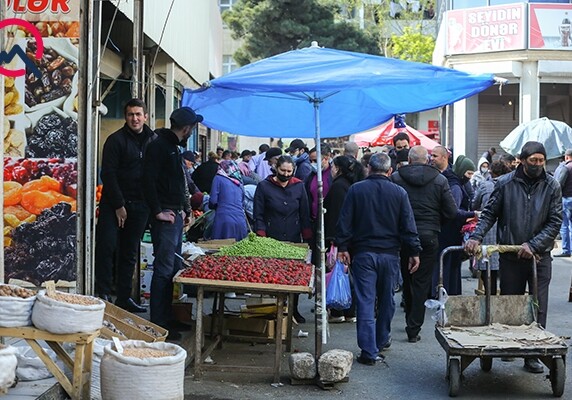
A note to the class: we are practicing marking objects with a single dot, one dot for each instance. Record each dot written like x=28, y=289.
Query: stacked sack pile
x=128, y=371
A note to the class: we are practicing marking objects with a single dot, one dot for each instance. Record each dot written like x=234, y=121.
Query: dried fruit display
x=56, y=80
x=12, y=103
x=250, y=269
x=44, y=249
x=14, y=140
x=53, y=136
x=68, y=29
x=26, y=170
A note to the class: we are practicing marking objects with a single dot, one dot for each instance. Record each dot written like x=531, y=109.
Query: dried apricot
x=44, y=184
x=12, y=193
x=18, y=211
x=35, y=201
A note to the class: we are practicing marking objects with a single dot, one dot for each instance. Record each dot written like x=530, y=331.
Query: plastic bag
x=338, y=291
x=440, y=315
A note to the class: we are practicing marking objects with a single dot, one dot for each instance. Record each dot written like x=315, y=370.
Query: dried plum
x=44, y=249
x=53, y=136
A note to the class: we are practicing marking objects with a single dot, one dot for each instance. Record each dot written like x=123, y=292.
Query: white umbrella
x=556, y=136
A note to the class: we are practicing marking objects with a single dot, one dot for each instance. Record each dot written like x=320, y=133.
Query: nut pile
x=112, y=327
x=145, y=328
x=73, y=298
x=145, y=353
x=12, y=291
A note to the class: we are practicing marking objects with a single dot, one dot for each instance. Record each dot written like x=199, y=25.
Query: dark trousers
x=516, y=273
x=416, y=286
x=167, y=240
x=374, y=276
x=110, y=239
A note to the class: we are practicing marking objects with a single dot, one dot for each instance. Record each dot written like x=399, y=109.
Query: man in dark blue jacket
x=123, y=213
x=375, y=222
x=301, y=158
x=166, y=194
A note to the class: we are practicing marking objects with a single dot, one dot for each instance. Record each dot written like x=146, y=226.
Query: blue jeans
x=375, y=275
x=565, y=229
x=167, y=240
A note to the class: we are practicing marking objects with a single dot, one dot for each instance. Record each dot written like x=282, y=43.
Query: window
x=228, y=64
x=225, y=5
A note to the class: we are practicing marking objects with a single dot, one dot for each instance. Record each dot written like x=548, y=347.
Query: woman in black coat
x=345, y=173
x=281, y=210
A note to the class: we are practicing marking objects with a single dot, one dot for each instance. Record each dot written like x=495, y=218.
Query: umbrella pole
x=321, y=320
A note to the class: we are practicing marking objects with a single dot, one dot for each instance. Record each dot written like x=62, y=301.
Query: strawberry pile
x=250, y=269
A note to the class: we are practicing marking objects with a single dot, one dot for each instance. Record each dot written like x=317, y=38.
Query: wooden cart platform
x=79, y=387
x=282, y=292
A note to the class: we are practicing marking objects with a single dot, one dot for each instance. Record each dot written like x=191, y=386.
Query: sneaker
x=369, y=361
x=563, y=255
x=414, y=339
x=351, y=319
x=337, y=320
x=533, y=365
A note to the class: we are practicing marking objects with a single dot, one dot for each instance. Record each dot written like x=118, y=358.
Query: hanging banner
x=550, y=26
x=40, y=141
x=485, y=29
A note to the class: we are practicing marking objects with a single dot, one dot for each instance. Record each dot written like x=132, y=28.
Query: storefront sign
x=485, y=29
x=550, y=26
x=41, y=143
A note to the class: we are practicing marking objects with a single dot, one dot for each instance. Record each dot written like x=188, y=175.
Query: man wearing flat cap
x=527, y=204
x=166, y=194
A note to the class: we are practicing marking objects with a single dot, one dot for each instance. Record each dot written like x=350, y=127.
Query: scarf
x=230, y=170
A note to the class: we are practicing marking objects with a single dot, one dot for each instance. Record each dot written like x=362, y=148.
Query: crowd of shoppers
x=387, y=216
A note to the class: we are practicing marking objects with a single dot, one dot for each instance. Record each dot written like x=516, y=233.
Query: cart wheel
x=558, y=376
x=454, y=377
x=486, y=363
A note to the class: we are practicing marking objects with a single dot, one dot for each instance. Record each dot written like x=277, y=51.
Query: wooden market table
x=282, y=292
x=79, y=388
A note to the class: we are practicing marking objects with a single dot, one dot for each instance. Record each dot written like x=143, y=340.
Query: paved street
x=410, y=371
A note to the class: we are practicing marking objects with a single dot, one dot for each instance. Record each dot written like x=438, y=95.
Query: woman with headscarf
x=226, y=197
x=450, y=235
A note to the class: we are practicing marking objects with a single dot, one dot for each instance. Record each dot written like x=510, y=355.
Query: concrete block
x=334, y=365
x=302, y=366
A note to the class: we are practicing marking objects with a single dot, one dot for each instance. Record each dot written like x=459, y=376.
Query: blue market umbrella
x=556, y=136
x=321, y=93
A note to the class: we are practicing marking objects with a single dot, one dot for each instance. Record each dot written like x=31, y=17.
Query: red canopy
x=383, y=134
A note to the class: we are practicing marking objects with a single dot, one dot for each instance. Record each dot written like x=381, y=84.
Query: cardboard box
x=146, y=253
x=118, y=317
x=236, y=326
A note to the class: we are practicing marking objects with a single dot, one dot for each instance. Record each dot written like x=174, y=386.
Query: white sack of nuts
x=143, y=370
x=8, y=363
x=16, y=306
x=63, y=313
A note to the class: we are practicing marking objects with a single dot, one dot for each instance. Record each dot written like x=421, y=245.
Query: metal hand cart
x=487, y=327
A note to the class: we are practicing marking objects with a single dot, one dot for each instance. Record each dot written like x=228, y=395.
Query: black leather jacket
x=526, y=213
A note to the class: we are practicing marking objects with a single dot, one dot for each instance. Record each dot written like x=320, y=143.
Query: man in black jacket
x=431, y=201
x=375, y=222
x=164, y=188
x=123, y=213
x=527, y=203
